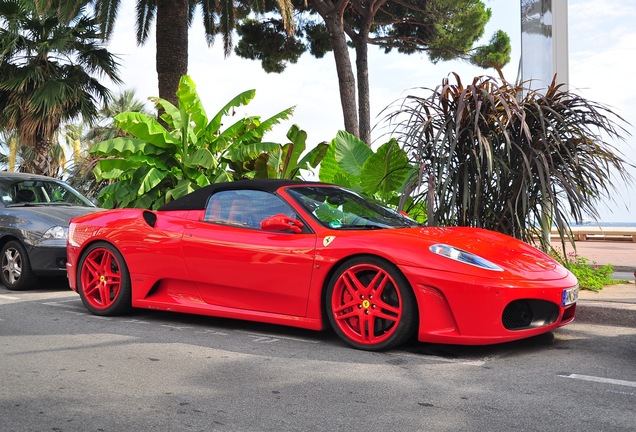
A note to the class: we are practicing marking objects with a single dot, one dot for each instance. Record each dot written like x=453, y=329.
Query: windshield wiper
x=23, y=204
x=361, y=227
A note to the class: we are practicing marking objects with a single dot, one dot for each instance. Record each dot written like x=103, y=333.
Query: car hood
x=519, y=260
x=55, y=215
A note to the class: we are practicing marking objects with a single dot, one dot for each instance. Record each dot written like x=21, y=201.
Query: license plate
x=570, y=296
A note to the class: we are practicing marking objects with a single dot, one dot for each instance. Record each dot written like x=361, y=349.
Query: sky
x=602, y=60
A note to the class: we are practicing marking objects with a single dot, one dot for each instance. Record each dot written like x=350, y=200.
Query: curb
x=605, y=313
x=624, y=269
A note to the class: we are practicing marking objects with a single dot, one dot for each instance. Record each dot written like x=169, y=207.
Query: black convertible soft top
x=198, y=199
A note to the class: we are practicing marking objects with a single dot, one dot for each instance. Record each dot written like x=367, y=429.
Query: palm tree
x=80, y=137
x=105, y=127
x=15, y=155
x=173, y=18
x=48, y=75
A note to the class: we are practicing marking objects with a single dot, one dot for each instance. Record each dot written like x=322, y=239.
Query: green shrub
x=591, y=276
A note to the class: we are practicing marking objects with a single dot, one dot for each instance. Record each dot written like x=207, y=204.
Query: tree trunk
x=172, y=46
x=346, y=78
x=332, y=14
x=364, y=104
x=41, y=163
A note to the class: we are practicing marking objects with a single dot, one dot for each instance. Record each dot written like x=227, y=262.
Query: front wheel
x=103, y=280
x=16, y=268
x=370, y=304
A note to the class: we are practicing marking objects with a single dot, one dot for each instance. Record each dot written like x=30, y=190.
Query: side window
x=246, y=208
x=24, y=194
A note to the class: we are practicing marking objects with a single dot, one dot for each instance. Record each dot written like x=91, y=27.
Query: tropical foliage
x=382, y=175
x=161, y=161
x=48, y=70
x=508, y=158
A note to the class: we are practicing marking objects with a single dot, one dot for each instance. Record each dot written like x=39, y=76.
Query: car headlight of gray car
x=56, y=232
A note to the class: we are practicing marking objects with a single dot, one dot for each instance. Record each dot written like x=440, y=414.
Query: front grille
x=528, y=313
x=517, y=315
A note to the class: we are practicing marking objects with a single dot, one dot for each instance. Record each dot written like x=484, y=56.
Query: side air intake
x=150, y=218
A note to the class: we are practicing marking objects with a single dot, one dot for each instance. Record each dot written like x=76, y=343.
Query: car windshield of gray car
x=41, y=193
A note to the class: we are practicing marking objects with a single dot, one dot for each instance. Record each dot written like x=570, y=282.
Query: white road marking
x=212, y=332
x=6, y=297
x=58, y=303
x=622, y=392
x=174, y=327
x=89, y=315
x=269, y=336
x=440, y=359
x=262, y=339
x=601, y=380
x=135, y=321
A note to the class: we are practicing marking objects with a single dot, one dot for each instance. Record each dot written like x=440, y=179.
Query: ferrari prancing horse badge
x=327, y=240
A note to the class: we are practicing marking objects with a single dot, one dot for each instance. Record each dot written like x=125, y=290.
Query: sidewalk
x=615, y=304
x=621, y=254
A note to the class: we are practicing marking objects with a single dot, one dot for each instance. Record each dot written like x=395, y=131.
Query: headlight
x=57, y=232
x=463, y=256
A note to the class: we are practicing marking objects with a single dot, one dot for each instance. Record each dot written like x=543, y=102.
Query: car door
x=238, y=265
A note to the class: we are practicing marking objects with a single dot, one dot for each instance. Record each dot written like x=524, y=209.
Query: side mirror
x=280, y=222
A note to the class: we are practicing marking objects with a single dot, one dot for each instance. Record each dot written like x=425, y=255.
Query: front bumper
x=48, y=257
x=462, y=309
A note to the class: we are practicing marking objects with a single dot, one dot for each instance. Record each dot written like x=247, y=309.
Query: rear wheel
x=16, y=268
x=103, y=280
x=370, y=304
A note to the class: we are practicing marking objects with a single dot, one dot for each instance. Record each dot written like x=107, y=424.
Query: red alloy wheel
x=367, y=307
x=103, y=281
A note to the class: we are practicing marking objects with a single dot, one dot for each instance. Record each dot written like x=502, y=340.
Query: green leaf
x=189, y=100
x=146, y=128
x=314, y=156
x=147, y=201
x=384, y=172
x=262, y=168
x=256, y=134
x=245, y=152
x=351, y=153
x=202, y=158
x=149, y=180
x=182, y=188
x=291, y=152
x=233, y=134
x=239, y=100
x=329, y=168
x=110, y=169
x=171, y=114
x=124, y=147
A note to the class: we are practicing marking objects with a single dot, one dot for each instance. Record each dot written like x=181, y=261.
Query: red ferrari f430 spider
x=310, y=254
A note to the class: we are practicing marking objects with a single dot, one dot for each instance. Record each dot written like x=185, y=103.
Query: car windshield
x=339, y=208
x=41, y=192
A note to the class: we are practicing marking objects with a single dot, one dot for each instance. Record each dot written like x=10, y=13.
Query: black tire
x=16, y=274
x=371, y=316
x=103, y=280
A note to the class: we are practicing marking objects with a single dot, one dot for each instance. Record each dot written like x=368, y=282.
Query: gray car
x=34, y=215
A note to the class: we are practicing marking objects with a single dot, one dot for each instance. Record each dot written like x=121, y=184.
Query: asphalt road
x=62, y=369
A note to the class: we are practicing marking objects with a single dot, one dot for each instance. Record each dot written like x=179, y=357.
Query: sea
x=604, y=224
